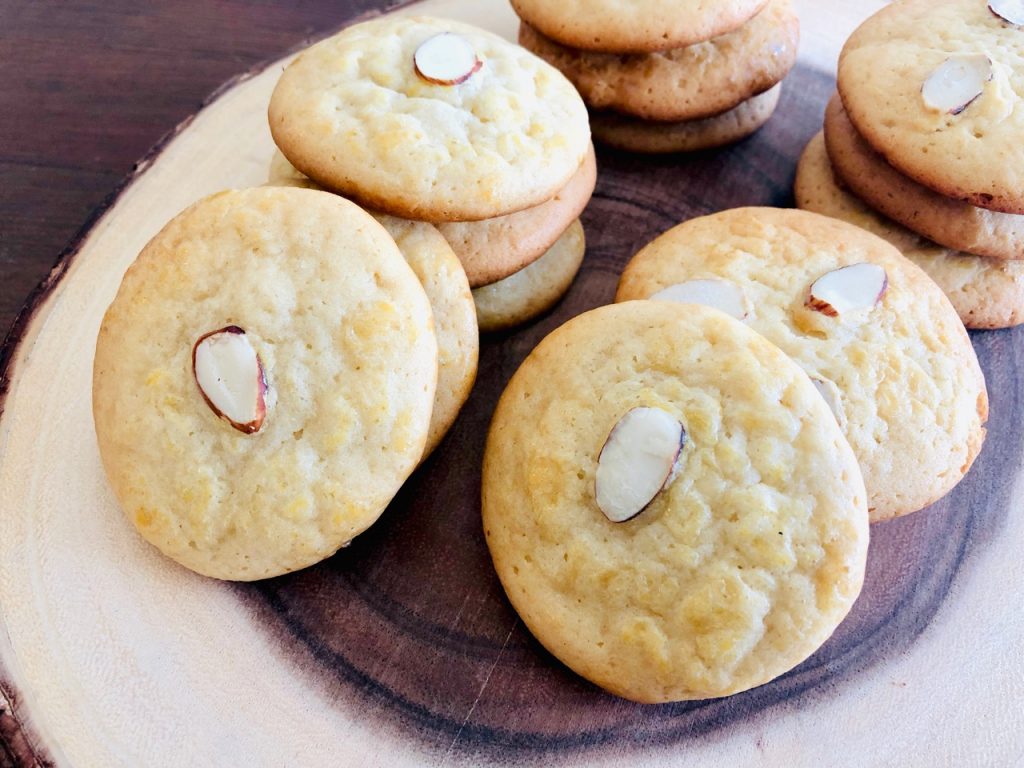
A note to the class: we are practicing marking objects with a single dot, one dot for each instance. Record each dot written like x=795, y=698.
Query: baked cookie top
x=934, y=86
x=986, y=293
x=738, y=570
x=882, y=341
x=447, y=288
x=357, y=114
x=635, y=26
x=696, y=81
x=296, y=308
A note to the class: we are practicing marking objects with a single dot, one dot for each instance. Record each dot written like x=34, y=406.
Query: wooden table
x=89, y=86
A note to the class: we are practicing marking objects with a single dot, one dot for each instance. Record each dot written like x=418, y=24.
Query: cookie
x=738, y=569
x=263, y=381
x=633, y=135
x=535, y=289
x=458, y=337
x=952, y=223
x=446, y=286
x=493, y=249
x=496, y=249
x=933, y=86
x=635, y=26
x=986, y=293
x=688, y=83
x=357, y=115
x=883, y=342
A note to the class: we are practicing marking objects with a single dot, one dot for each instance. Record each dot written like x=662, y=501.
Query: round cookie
x=986, y=293
x=633, y=135
x=533, y=290
x=353, y=114
x=690, y=83
x=345, y=339
x=903, y=375
x=953, y=223
x=493, y=249
x=736, y=572
x=446, y=286
x=975, y=155
x=635, y=26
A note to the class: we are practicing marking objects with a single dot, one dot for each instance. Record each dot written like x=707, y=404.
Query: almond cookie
x=263, y=381
x=688, y=83
x=744, y=526
x=430, y=119
x=647, y=136
x=952, y=223
x=880, y=339
x=635, y=26
x=446, y=286
x=493, y=249
x=933, y=85
x=986, y=293
x=535, y=289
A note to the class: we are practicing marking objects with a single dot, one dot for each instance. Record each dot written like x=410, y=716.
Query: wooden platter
x=401, y=650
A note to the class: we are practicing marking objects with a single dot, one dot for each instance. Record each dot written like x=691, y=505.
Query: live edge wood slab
x=401, y=649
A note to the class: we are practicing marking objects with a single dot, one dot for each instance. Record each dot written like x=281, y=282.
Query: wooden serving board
x=402, y=650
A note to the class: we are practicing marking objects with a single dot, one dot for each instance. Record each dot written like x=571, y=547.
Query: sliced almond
x=1008, y=10
x=858, y=286
x=723, y=295
x=231, y=378
x=446, y=59
x=639, y=459
x=830, y=394
x=956, y=83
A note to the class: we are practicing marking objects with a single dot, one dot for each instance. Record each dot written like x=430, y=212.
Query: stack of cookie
x=665, y=75
x=925, y=133
x=434, y=121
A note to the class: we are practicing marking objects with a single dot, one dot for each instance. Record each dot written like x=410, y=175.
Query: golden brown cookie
x=357, y=114
x=747, y=557
x=263, y=381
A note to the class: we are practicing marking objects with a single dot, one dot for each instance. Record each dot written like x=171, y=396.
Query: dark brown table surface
x=87, y=86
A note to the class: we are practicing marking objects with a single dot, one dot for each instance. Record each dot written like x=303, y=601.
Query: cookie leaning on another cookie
x=881, y=338
x=934, y=86
x=986, y=293
x=446, y=286
x=263, y=381
x=488, y=130
x=647, y=136
x=738, y=569
x=691, y=83
x=532, y=291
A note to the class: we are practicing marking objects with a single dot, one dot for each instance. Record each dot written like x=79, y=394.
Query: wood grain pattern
x=401, y=650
